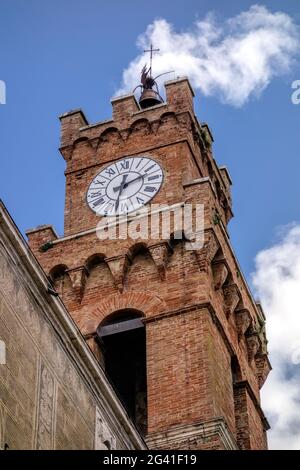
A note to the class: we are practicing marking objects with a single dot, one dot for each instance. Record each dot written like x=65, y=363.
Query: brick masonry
x=206, y=345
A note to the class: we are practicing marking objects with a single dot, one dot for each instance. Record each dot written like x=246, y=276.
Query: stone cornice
x=202, y=431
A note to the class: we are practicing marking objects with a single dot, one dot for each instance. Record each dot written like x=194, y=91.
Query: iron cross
x=151, y=50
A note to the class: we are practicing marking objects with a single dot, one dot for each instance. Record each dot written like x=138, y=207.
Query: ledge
x=42, y=228
x=178, y=80
x=73, y=111
x=124, y=97
x=201, y=430
x=205, y=179
x=224, y=168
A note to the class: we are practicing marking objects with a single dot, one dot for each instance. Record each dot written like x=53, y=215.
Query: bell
x=149, y=98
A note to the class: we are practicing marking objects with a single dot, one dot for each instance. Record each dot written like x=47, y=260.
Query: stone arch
x=141, y=263
x=121, y=315
x=141, y=125
x=167, y=119
x=142, y=301
x=99, y=275
x=57, y=271
x=60, y=279
x=81, y=140
x=94, y=260
x=80, y=145
x=109, y=134
x=108, y=138
x=137, y=249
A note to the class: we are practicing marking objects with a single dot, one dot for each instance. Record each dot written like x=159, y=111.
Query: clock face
x=125, y=186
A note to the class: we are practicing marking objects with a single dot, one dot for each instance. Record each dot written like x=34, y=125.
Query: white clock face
x=125, y=186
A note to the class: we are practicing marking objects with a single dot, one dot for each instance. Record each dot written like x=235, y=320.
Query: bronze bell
x=149, y=97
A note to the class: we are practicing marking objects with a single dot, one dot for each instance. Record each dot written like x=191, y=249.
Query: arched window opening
x=123, y=339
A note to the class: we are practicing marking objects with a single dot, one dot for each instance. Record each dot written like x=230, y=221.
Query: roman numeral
x=150, y=178
x=150, y=168
x=149, y=189
x=99, y=182
x=110, y=171
x=97, y=193
x=97, y=203
x=125, y=165
x=139, y=200
x=123, y=206
x=138, y=164
x=108, y=207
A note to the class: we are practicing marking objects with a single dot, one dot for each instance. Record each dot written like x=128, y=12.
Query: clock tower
x=176, y=329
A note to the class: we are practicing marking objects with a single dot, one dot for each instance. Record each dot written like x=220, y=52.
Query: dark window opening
x=123, y=342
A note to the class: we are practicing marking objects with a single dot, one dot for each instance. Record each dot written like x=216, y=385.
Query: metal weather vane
x=149, y=96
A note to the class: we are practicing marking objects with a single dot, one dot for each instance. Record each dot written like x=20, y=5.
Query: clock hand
x=121, y=187
x=127, y=184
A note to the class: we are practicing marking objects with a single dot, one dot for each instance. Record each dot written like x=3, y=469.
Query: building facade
x=176, y=330
x=53, y=392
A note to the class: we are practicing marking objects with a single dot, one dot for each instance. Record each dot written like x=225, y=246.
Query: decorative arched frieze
x=109, y=137
x=78, y=278
x=160, y=253
x=168, y=119
x=141, y=126
x=57, y=271
x=118, y=266
x=81, y=140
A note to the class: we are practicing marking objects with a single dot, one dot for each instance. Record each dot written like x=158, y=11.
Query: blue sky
x=63, y=54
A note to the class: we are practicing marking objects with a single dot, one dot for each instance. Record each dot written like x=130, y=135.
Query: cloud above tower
x=277, y=283
x=233, y=60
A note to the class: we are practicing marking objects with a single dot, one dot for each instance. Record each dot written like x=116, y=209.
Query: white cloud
x=277, y=283
x=232, y=61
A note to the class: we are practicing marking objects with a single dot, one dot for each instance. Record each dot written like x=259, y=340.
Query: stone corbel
x=118, y=267
x=220, y=273
x=124, y=134
x=263, y=367
x=160, y=254
x=155, y=126
x=206, y=254
x=78, y=279
x=243, y=320
x=231, y=298
x=67, y=152
x=253, y=345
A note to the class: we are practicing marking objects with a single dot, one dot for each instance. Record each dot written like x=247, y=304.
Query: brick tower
x=177, y=330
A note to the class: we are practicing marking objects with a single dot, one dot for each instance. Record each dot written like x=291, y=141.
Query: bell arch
x=122, y=339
